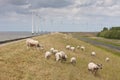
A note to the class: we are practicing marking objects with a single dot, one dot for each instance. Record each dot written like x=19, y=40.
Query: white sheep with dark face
x=94, y=67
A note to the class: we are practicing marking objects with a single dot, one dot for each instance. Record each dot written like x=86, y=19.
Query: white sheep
x=57, y=56
x=94, y=67
x=72, y=48
x=73, y=60
x=52, y=49
x=107, y=59
x=82, y=48
x=78, y=47
x=32, y=43
x=55, y=51
x=68, y=47
x=60, y=56
x=93, y=53
x=48, y=54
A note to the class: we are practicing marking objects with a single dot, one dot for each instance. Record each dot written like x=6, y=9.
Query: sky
x=59, y=15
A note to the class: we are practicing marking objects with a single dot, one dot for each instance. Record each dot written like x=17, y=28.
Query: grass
x=19, y=63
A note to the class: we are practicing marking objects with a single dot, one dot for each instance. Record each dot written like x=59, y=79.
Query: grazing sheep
x=57, y=56
x=48, y=54
x=82, y=48
x=107, y=59
x=93, y=54
x=32, y=43
x=72, y=48
x=73, y=60
x=94, y=67
x=78, y=47
x=61, y=56
x=55, y=51
x=68, y=47
x=52, y=49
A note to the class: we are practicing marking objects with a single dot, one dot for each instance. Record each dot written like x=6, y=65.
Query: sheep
x=32, y=43
x=73, y=60
x=61, y=56
x=94, y=67
x=93, y=54
x=78, y=47
x=52, y=49
x=72, y=48
x=68, y=47
x=55, y=51
x=47, y=54
x=82, y=48
x=57, y=56
x=107, y=59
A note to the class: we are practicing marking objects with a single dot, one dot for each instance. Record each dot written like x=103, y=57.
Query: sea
x=4, y=36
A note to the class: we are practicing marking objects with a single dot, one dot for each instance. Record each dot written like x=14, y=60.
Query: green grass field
x=19, y=63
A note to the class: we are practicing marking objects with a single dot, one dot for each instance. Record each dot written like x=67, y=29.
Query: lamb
x=32, y=43
x=61, y=56
x=107, y=59
x=48, y=54
x=94, y=67
x=72, y=48
x=73, y=60
x=93, y=54
x=82, y=48
x=68, y=47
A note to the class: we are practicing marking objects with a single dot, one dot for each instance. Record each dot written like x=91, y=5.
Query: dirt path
x=101, y=44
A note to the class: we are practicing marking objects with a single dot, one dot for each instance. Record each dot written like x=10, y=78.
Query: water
x=13, y=35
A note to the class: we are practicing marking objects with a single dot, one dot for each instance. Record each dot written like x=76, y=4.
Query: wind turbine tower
x=32, y=23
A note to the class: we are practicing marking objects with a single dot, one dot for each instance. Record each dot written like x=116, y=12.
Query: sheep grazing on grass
x=72, y=48
x=52, y=49
x=93, y=54
x=55, y=51
x=61, y=56
x=68, y=47
x=48, y=54
x=32, y=43
x=94, y=67
x=82, y=48
x=78, y=47
x=73, y=60
x=107, y=59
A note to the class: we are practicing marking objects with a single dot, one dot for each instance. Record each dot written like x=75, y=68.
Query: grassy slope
x=18, y=63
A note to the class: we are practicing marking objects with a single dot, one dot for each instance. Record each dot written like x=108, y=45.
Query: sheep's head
x=38, y=45
x=99, y=66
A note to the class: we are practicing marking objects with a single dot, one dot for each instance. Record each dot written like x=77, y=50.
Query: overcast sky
x=59, y=15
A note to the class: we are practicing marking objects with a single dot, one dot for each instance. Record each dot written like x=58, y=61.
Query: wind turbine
x=32, y=23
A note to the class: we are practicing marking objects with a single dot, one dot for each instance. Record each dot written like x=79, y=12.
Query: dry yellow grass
x=18, y=63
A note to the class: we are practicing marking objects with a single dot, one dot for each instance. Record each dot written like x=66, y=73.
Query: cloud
x=83, y=10
x=50, y=3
